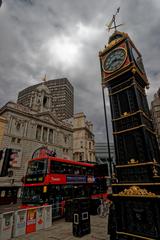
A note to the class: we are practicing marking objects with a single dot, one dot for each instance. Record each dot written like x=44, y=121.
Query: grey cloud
x=26, y=26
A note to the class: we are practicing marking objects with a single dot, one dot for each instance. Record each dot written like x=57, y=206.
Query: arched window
x=45, y=101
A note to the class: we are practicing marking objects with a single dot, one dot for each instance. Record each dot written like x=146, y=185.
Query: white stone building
x=29, y=128
x=83, y=139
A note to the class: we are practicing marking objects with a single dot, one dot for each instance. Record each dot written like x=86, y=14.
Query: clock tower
x=135, y=213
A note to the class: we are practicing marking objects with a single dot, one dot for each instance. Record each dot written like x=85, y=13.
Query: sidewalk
x=62, y=230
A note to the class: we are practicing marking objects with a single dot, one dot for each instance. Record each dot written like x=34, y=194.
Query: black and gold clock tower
x=136, y=195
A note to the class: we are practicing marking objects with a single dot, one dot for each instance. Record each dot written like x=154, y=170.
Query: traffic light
x=7, y=162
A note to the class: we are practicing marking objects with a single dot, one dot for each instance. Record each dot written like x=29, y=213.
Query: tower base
x=134, y=215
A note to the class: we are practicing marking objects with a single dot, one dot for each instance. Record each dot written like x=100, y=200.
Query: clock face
x=138, y=60
x=114, y=60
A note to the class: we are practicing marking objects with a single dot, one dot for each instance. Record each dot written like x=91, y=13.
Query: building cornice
x=29, y=114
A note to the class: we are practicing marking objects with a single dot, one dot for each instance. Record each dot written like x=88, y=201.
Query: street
x=62, y=230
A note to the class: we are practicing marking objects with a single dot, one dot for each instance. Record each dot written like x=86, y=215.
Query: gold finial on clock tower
x=113, y=21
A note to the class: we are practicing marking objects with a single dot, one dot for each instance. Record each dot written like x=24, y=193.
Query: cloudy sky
x=62, y=38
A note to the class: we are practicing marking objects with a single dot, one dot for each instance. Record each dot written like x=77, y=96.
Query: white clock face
x=114, y=60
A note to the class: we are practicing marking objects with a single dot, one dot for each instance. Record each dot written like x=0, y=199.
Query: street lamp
x=107, y=134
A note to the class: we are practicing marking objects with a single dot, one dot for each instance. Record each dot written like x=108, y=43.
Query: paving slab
x=61, y=230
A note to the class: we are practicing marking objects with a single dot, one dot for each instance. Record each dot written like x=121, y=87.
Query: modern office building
x=155, y=110
x=102, y=156
x=62, y=101
x=101, y=150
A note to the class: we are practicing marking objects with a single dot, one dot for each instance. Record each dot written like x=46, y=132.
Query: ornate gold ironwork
x=129, y=129
x=111, y=94
x=133, y=70
x=136, y=191
x=125, y=114
x=114, y=42
x=154, y=160
x=135, y=164
x=132, y=161
x=130, y=114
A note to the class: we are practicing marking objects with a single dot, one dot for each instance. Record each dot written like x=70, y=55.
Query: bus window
x=37, y=167
x=33, y=194
x=59, y=192
x=55, y=167
x=89, y=171
x=70, y=169
x=76, y=170
x=80, y=170
x=63, y=168
x=83, y=170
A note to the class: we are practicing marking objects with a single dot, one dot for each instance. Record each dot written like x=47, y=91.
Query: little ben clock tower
x=134, y=138
x=136, y=196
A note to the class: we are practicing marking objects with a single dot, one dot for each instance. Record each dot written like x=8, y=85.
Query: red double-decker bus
x=53, y=180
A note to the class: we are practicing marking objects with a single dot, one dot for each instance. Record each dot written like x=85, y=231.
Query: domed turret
x=41, y=99
x=44, y=88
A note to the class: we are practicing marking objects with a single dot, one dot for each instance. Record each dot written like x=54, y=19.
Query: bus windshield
x=33, y=194
x=37, y=167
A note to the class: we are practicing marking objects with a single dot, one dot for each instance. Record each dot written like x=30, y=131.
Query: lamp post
x=107, y=133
